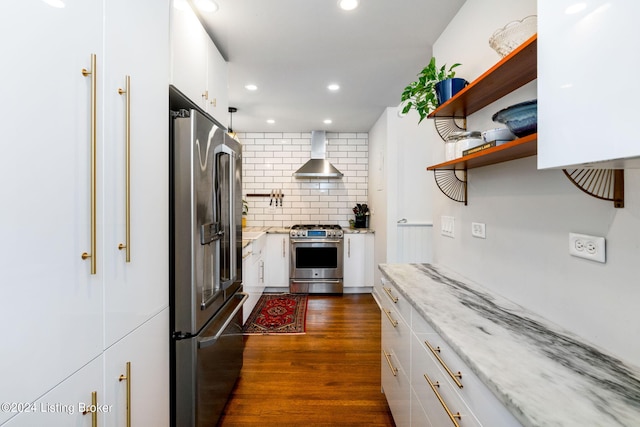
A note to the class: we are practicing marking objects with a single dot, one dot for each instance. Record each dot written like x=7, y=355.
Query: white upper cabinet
x=198, y=69
x=52, y=304
x=188, y=54
x=136, y=289
x=587, y=91
x=217, y=85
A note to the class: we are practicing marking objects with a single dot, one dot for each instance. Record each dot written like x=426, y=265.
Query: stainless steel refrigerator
x=206, y=267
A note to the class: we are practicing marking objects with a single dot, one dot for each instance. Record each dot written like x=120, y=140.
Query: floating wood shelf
x=512, y=72
x=516, y=149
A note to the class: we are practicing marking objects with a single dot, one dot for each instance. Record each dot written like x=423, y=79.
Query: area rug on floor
x=278, y=314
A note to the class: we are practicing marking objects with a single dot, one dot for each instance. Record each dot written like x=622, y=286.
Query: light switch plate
x=447, y=226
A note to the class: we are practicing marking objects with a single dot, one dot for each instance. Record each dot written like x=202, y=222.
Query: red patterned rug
x=278, y=314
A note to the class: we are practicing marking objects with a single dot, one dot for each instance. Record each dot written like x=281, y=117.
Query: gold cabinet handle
x=94, y=80
x=127, y=168
x=455, y=377
x=394, y=322
x=388, y=291
x=349, y=247
x=452, y=416
x=283, y=247
x=387, y=356
x=93, y=409
x=127, y=377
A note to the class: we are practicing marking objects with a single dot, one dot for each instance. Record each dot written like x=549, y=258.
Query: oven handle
x=315, y=281
x=316, y=241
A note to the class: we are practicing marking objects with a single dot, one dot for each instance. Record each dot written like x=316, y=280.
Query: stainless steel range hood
x=318, y=166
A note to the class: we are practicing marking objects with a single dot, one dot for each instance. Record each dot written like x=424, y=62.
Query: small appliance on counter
x=316, y=262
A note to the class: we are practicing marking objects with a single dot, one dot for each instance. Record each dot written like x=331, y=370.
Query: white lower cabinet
x=277, y=260
x=253, y=281
x=63, y=406
x=441, y=388
x=146, y=387
x=358, y=260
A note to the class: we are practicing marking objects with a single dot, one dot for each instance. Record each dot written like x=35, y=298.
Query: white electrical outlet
x=588, y=247
x=478, y=229
x=447, y=226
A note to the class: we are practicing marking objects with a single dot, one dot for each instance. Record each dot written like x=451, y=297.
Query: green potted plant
x=433, y=87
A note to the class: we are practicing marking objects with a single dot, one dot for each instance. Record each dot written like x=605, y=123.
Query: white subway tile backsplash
x=271, y=158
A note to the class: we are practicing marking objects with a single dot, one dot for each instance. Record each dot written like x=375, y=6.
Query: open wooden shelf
x=513, y=71
x=516, y=149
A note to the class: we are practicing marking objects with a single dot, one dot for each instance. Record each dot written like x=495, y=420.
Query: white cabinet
x=277, y=260
x=396, y=354
x=576, y=126
x=198, y=69
x=253, y=279
x=188, y=54
x=52, y=305
x=358, y=260
x=136, y=36
x=413, y=356
x=64, y=405
x=64, y=317
x=147, y=355
x=217, y=84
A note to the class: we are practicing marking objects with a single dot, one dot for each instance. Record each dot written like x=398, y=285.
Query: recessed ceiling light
x=207, y=5
x=333, y=87
x=271, y=121
x=327, y=121
x=55, y=3
x=251, y=87
x=348, y=4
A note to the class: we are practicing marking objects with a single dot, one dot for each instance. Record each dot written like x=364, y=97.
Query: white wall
x=269, y=161
x=529, y=214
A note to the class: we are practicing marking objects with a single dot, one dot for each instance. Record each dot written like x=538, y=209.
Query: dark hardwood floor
x=329, y=376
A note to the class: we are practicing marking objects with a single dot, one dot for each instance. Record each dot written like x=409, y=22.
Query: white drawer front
x=396, y=300
x=396, y=387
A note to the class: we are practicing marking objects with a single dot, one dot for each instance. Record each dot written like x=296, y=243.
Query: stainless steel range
x=316, y=265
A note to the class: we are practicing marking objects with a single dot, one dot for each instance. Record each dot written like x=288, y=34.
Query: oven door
x=316, y=259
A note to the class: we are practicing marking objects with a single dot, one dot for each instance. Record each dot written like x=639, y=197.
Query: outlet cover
x=588, y=247
x=447, y=226
x=478, y=229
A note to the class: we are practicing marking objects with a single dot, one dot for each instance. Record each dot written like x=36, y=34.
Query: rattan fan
x=452, y=185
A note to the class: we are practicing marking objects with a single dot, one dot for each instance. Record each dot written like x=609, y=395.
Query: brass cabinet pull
x=349, y=247
x=452, y=417
x=388, y=291
x=127, y=169
x=93, y=409
x=454, y=377
x=391, y=319
x=127, y=377
x=284, y=255
x=394, y=370
x=94, y=103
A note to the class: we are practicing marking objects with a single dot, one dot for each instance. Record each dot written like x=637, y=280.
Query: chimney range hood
x=318, y=166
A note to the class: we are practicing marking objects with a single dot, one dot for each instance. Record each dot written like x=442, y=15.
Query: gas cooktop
x=316, y=227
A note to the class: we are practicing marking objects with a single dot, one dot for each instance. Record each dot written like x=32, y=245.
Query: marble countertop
x=544, y=375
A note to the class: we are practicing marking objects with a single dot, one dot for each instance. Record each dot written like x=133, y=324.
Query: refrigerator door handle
x=210, y=341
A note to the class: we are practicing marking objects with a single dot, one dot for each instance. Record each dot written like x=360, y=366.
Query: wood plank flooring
x=330, y=376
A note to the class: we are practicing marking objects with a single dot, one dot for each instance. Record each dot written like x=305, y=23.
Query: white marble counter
x=358, y=231
x=544, y=375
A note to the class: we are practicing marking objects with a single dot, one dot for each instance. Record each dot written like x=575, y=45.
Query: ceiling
x=293, y=49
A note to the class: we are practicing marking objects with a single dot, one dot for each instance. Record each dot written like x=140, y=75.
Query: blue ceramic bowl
x=521, y=119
